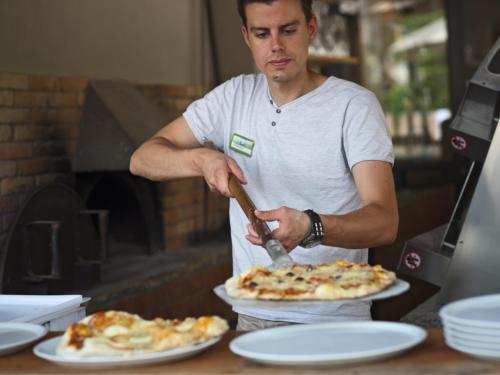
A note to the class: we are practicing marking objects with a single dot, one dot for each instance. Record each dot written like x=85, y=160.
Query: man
x=298, y=141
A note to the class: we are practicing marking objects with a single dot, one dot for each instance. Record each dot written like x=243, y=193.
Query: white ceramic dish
x=472, y=336
x=473, y=344
x=483, y=311
x=16, y=336
x=399, y=287
x=47, y=350
x=462, y=328
x=489, y=355
x=328, y=344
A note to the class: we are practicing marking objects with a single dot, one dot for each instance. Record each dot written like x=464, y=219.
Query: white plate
x=47, y=350
x=473, y=344
x=16, y=336
x=328, y=343
x=483, y=311
x=490, y=355
x=471, y=329
x=474, y=336
x=399, y=287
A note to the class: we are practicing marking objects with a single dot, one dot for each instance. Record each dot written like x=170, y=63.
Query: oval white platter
x=47, y=351
x=399, y=287
x=328, y=343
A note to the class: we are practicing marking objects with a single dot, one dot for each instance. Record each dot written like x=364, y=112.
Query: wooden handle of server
x=248, y=208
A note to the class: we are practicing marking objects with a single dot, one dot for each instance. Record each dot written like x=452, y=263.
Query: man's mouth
x=280, y=63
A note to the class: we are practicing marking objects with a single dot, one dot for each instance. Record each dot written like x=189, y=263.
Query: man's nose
x=277, y=44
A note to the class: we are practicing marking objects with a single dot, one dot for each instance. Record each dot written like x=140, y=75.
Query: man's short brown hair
x=306, y=8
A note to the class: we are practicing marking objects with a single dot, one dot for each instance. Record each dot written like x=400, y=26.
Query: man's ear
x=312, y=27
x=244, y=31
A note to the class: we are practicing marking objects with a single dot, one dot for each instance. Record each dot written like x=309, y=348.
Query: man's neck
x=285, y=92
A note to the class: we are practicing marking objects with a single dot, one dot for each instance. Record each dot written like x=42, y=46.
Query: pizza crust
x=340, y=280
x=114, y=333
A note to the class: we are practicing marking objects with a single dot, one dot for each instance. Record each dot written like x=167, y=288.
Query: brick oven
x=116, y=119
x=81, y=133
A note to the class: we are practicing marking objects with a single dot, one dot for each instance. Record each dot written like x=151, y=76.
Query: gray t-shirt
x=299, y=155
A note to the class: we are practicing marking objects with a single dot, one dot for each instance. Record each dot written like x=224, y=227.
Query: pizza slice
x=120, y=333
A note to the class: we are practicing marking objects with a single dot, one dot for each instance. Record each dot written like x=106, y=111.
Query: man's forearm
x=159, y=160
x=369, y=226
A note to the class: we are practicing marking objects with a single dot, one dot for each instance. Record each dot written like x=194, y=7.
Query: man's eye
x=261, y=35
x=289, y=31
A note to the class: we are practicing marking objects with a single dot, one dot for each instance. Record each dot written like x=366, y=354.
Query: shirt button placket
x=275, y=133
x=275, y=122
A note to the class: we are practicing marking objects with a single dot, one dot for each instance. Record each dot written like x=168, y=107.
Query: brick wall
x=39, y=117
x=189, y=209
x=39, y=122
x=174, y=98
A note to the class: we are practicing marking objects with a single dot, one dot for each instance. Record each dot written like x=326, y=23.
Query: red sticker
x=413, y=260
x=459, y=143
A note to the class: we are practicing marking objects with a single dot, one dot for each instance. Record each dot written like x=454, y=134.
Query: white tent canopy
x=431, y=34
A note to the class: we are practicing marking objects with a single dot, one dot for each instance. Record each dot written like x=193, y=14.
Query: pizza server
x=275, y=249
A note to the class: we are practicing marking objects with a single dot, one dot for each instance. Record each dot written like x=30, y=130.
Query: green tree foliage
x=428, y=86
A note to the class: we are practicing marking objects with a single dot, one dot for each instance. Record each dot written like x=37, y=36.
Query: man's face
x=279, y=36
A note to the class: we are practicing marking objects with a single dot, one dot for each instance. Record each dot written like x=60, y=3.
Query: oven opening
x=127, y=231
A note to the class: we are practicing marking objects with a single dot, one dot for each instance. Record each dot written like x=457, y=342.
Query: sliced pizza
x=120, y=333
x=339, y=280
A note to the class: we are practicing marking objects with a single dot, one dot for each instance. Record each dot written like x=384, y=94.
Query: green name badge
x=242, y=145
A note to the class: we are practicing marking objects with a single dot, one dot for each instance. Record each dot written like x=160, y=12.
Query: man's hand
x=216, y=167
x=293, y=226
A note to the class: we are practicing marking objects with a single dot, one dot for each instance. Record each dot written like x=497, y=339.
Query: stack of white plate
x=472, y=326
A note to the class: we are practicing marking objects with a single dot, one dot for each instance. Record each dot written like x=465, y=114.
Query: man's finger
x=222, y=178
x=266, y=215
x=251, y=240
x=225, y=192
x=254, y=240
x=252, y=231
x=236, y=170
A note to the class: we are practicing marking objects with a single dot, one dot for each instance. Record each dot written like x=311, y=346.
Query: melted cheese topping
x=120, y=333
x=327, y=281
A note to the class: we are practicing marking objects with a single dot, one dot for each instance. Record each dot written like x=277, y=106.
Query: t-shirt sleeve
x=365, y=133
x=206, y=116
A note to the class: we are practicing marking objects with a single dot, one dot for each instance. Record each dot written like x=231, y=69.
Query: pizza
x=120, y=333
x=333, y=281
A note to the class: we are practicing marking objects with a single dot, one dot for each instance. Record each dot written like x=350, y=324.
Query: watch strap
x=316, y=232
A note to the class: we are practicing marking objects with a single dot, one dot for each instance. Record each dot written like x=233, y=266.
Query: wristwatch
x=315, y=235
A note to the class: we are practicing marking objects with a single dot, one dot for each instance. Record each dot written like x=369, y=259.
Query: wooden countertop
x=431, y=357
